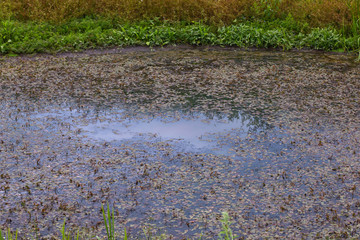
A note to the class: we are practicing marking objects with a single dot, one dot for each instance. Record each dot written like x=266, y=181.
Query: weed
x=47, y=26
x=8, y=235
x=324, y=39
x=226, y=232
x=318, y=13
x=67, y=236
x=109, y=223
x=19, y=37
x=354, y=7
x=108, y=216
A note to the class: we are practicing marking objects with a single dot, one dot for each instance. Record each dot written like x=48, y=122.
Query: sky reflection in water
x=199, y=130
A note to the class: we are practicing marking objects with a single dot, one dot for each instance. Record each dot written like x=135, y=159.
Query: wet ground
x=172, y=137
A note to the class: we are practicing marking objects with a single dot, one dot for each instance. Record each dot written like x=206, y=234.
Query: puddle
x=173, y=137
x=197, y=131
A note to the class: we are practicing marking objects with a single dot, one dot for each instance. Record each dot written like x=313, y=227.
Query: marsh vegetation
x=48, y=26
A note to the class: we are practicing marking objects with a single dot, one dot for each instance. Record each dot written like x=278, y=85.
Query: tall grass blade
x=63, y=230
x=8, y=235
x=104, y=216
x=109, y=221
x=125, y=234
x=112, y=224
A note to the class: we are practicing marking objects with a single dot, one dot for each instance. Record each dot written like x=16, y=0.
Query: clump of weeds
x=8, y=235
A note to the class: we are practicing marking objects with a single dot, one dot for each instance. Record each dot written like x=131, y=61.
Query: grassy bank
x=31, y=37
x=66, y=25
x=318, y=13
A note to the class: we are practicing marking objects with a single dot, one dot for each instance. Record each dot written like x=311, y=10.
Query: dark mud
x=273, y=140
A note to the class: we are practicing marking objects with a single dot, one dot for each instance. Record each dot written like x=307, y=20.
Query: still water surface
x=173, y=137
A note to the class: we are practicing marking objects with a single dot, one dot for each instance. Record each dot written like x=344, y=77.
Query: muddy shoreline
x=117, y=50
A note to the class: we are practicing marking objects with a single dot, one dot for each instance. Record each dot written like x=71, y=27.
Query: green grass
x=8, y=235
x=30, y=37
x=226, y=233
x=67, y=235
x=109, y=223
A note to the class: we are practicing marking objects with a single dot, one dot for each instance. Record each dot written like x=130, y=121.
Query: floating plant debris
x=175, y=136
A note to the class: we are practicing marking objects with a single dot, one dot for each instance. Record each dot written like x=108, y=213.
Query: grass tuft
x=8, y=235
x=109, y=223
x=226, y=233
x=67, y=235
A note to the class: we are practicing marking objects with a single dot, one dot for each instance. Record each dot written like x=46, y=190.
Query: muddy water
x=172, y=137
